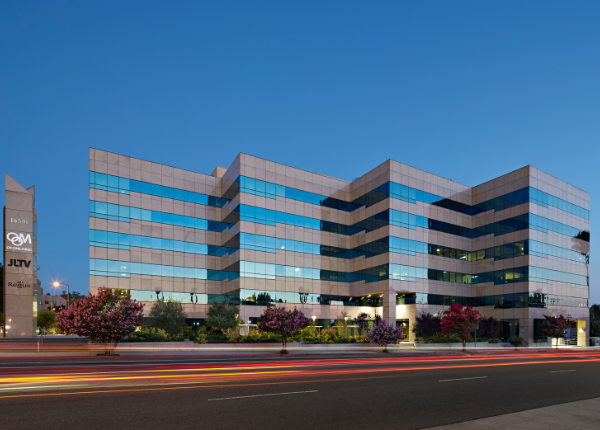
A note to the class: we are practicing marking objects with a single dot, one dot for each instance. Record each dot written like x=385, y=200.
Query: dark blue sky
x=468, y=91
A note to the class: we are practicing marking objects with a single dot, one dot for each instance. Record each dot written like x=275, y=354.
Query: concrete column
x=583, y=335
x=389, y=307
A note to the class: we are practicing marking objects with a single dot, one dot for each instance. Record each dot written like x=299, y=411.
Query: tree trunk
x=464, y=345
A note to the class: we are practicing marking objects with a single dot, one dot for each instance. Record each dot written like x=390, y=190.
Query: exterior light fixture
x=57, y=284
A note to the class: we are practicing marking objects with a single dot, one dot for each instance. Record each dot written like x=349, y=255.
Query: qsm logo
x=18, y=239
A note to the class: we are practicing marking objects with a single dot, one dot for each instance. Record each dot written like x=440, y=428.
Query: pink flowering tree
x=282, y=322
x=460, y=321
x=104, y=318
x=384, y=334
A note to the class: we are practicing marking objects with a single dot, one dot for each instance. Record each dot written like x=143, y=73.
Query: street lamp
x=58, y=284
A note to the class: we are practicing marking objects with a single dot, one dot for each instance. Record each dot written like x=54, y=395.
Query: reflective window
x=116, y=184
x=410, y=247
x=504, y=301
x=107, y=239
x=155, y=296
x=390, y=189
x=126, y=213
x=263, y=298
x=101, y=267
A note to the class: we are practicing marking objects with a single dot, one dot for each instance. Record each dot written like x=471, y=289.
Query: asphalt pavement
x=342, y=392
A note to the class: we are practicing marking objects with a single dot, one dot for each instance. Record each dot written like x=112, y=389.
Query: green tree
x=221, y=316
x=73, y=296
x=167, y=315
x=46, y=319
x=342, y=324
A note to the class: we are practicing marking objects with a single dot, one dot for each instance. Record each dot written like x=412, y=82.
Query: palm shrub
x=362, y=321
x=233, y=336
x=515, y=341
x=342, y=324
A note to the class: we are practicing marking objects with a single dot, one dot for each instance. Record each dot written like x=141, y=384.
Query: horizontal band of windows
x=157, y=296
x=253, y=297
x=407, y=220
x=122, y=213
x=272, y=191
x=124, y=269
x=503, y=301
x=107, y=239
x=524, y=195
x=498, y=277
x=509, y=250
x=410, y=247
x=263, y=298
x=249, y=269
x=411, y=195
x=509, y=225
x=120, y=185
x=399, y=272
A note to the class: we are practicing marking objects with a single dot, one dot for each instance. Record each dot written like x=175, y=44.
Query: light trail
x=321, y=380
x=159, y=374
x=305, y=363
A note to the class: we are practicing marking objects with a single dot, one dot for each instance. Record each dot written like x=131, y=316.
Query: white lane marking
x=561, y=371
x=265, y=395
x=462, y=379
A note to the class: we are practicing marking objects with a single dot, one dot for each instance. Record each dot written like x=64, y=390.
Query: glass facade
x=411, y=195
x=122, y=213
x=410, y=247
x=262, y=233
x=251, y=269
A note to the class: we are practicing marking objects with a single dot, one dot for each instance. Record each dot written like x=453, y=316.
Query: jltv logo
x=18, y=263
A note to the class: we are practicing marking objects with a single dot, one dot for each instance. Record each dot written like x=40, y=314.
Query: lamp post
x=58, y=284
x=345, y=326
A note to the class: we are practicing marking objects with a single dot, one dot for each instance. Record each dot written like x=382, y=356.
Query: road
x=380, y=391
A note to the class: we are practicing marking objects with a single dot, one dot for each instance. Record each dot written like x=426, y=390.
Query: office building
x=397, y=241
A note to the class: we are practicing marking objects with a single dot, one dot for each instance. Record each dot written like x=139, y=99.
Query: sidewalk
x=72, y=347
x=581, y=415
